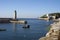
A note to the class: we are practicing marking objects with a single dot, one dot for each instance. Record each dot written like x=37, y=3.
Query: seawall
x=5, y=20
x=10, y=20
x=54, y=32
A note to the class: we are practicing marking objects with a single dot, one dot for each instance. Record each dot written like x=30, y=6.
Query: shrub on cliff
x=44, y=16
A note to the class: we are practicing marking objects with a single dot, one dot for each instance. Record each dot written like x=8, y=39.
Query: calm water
x=16, y=32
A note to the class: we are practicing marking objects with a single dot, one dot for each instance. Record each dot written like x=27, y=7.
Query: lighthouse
x=15, y=15
x=15, y=20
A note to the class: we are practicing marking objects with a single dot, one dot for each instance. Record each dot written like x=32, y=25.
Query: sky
x=28, y=8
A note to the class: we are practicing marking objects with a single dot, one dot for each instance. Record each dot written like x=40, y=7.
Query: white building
x=50, y=17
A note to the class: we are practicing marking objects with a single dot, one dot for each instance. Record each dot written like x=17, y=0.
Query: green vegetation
x=55, y=14
x=44, y=16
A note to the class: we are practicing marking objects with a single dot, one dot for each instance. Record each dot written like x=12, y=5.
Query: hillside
x=57, y=15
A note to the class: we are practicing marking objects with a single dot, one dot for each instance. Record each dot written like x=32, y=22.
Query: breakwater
x=54, y=32
x=5, y=20
x=11, y=20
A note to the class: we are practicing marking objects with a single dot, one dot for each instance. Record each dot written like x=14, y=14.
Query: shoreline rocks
x=54, y=32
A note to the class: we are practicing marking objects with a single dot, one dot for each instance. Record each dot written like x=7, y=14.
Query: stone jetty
x=5, y=20
x=12, y=20
x=54, y=32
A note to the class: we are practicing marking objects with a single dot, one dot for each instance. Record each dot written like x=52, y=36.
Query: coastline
x=54, y=32
x=43, y=18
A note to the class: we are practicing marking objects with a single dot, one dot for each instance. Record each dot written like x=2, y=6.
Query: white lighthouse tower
x=15, y=15
x=47, y=15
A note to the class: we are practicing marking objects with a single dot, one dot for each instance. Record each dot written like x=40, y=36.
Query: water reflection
x=18, y=35
x=14, y=31
x=14, y=27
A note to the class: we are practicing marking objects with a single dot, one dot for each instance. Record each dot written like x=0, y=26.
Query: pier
x=15, y=20
x=12, y=20
x=5, y=20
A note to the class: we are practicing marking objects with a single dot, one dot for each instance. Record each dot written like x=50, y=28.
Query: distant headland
x=50, y=16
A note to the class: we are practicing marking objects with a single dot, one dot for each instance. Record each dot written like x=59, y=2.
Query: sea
x=38, y=29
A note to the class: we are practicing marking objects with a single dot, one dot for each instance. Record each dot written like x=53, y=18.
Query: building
x=50, y=17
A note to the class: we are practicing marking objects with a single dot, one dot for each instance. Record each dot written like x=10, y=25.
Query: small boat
x=26, y=26
x=2, y=29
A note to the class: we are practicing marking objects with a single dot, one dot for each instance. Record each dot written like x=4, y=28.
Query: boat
x=26, y=26
x=2, y=29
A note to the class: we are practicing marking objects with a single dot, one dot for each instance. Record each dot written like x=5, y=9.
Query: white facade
x=50, y=16
x=47, y=15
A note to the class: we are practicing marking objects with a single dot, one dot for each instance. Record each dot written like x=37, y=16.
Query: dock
x=5, y=20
